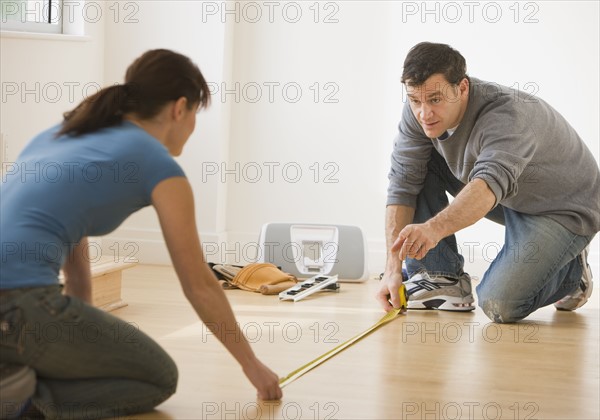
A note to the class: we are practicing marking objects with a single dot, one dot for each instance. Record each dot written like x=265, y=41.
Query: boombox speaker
x=306, y=250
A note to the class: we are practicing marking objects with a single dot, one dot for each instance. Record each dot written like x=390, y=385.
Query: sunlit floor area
x=422, y=365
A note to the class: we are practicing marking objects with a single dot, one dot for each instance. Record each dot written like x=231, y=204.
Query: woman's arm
x=77, y=272
x=174, y=203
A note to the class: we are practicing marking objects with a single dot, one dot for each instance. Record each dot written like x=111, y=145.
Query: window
x=42, y=16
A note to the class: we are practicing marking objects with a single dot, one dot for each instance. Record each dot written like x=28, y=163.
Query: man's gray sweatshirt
x=528, y=154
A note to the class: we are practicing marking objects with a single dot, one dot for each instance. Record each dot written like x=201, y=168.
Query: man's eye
x=436, y=100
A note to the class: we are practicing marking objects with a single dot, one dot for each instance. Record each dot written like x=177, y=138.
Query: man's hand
x=396, y=217
x=414, y=241
x=390, y=285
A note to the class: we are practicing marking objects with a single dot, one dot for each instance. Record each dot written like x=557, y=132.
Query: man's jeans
x=89, y=364
x=536, y=266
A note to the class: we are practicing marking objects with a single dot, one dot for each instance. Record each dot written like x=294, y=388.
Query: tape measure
x=322, y=358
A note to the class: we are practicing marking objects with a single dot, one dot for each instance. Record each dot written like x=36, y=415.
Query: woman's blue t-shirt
x=63, y=189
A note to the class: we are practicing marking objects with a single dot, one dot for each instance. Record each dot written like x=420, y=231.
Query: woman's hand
x=264, y=380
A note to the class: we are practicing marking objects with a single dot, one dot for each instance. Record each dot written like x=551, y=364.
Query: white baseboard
x=147, y=246
x=242, y=248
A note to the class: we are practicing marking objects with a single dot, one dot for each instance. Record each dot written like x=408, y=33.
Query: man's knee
x=500, y=311
x=500, y=307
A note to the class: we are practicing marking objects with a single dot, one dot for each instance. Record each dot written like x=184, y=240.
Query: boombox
x=307, y=250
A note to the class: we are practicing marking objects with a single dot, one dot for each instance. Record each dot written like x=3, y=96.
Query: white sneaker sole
x=442, y=303
x=570, y=303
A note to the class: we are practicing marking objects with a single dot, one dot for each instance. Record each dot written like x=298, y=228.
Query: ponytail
x=103, y=109
x=153, y=80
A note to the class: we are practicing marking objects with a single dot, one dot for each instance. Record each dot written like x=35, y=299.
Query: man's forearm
x=474, y=201
x=396, y=217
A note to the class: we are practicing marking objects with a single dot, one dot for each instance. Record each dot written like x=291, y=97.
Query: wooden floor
x=423, y=365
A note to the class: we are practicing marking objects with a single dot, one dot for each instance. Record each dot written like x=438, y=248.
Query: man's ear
x=179, y=108
x=464, y=86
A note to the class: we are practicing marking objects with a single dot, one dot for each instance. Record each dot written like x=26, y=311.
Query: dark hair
x=426, y=59
x=152, y=80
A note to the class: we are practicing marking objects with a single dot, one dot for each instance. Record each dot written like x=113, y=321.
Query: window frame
x=54, y=25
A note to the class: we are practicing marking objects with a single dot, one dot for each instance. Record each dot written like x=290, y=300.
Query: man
x=503, y=155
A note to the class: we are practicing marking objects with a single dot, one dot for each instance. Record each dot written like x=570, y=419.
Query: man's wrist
x=393, y=265
x=437, y=228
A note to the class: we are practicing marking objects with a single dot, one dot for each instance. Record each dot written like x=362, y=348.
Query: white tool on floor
x=310, y=286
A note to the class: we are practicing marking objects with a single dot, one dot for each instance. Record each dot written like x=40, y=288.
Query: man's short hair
x=426, y=59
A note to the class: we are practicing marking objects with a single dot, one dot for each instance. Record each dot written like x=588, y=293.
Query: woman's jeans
x=536, y=266
x=89, y=364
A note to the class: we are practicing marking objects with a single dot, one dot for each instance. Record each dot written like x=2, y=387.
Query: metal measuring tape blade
x=316, y=362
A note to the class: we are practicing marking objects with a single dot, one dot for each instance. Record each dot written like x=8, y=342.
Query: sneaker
x=583, y=292
x=18, y=385
x=425, y=292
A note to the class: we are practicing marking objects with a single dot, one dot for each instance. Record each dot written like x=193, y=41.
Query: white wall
x=44, y=77
x=332, y=142
x=357, y=47
x=176, y=25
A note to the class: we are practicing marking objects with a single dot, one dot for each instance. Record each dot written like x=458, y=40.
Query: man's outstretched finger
x=398, y=244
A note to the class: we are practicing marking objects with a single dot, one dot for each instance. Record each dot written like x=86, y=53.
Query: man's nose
x=425, y=111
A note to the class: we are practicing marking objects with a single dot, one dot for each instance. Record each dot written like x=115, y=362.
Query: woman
x=111, y=156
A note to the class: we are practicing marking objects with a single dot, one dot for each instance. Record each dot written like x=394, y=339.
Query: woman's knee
x=169, y=378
